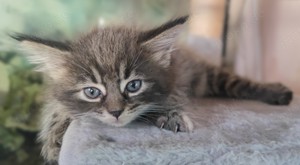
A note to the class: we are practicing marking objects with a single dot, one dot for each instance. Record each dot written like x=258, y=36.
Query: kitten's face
x=114, y=74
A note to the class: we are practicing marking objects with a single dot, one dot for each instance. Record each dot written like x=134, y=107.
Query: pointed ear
x=49, y=56
x=162, y=40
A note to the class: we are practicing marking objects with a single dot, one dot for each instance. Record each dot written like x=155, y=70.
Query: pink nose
x=116, y=113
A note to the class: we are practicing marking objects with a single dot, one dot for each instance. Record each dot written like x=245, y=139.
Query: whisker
x=141, y=118
x=77, y=115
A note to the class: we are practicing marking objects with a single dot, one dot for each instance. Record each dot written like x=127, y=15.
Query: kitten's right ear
x=49, y=56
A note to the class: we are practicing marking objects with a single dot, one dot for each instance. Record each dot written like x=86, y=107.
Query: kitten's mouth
x=120, y=121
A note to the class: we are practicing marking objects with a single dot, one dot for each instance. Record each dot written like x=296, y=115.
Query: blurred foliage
x=20, y=98
x=63, y=19
x=20, y=108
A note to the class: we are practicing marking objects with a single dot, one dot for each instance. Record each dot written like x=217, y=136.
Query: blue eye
x=134, y=86
x=92, y=92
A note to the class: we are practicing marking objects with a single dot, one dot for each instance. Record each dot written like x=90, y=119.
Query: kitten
x=119, y=74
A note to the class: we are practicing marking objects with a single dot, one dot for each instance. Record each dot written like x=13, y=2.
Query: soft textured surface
x=226, y=132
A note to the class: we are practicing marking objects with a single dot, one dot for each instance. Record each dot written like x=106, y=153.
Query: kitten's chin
x=117, y=123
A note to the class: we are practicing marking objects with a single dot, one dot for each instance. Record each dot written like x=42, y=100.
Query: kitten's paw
x=175, y=121
x=279, y=94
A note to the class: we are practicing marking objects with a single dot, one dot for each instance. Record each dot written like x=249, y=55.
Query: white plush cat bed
x=226, y=132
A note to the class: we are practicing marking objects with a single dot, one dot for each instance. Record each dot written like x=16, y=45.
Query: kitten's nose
x=116, y=113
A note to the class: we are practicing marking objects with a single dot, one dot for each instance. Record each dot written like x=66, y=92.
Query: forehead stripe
x=96, y=75
x=121, y=71
x=126, y=73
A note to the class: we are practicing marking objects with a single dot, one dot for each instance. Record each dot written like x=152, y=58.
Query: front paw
x=175, y=121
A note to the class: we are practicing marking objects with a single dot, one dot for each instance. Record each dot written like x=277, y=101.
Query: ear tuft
x=49, y=56
x=156, y=31
x=54, y=44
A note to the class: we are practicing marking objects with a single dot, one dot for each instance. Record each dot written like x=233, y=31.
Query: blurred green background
x=20, y=87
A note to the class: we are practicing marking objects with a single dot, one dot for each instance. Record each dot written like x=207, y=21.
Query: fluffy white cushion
x=226, y=132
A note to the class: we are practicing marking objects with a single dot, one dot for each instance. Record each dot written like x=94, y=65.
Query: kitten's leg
x=224, y=84
x=54, y=127
x=52, y=140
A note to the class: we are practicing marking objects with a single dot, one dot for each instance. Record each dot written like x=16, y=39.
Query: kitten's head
x=114, y=73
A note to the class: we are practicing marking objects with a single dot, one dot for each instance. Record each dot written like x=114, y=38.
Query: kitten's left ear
x=161, y=40
x=49, y=56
